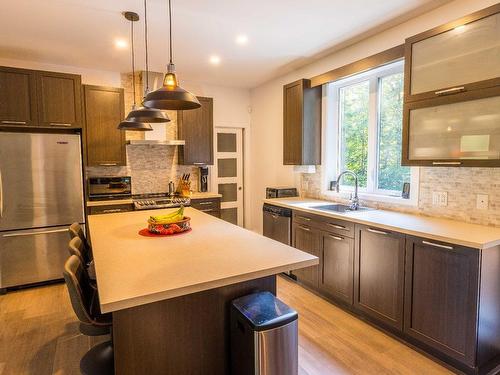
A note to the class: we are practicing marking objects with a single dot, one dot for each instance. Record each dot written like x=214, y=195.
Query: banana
x=169, y=218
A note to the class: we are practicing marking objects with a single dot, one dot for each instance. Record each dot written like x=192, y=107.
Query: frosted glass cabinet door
x=463, y=58
x=461, y=133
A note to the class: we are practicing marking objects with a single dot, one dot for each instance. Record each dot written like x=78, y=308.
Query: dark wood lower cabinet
x=210, y=206
x=379, y=274
x=307, y=238
x=441, y=297
x=337, y=267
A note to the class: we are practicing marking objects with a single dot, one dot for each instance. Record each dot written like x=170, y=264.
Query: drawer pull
x=205, y=203
x=438, y=245
x=377, y=231
x=112, y=210
x=304, y=228
x=453, y=90
x=14, y=122
x=336, y=237
x=303, y=218
x=108, y=164
x=446, y=163
x=61, y=124
x=337, y=226
x=207, y=210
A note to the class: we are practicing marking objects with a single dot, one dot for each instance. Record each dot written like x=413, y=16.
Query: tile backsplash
x=461, y=184
x=151, y=167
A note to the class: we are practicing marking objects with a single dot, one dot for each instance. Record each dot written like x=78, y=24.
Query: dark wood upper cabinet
x=104, y=109
x=379, y=260
x=307, y=238
x=337, y=266
x=17, y=97
x=59, y=99
x=452, y=94
x=441, y=297
x=301, y=123
x=196, y=127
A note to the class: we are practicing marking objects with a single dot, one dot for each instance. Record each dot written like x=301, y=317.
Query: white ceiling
x=283, y=34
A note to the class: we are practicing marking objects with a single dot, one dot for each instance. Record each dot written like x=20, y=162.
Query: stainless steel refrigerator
x=41, y=194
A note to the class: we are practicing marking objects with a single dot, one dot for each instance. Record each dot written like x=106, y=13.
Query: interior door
x=40, y=180
x=228, y=173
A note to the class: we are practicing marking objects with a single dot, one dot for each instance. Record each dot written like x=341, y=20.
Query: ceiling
x=282, y=34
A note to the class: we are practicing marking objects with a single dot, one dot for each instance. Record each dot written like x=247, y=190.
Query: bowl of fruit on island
x=171, y=223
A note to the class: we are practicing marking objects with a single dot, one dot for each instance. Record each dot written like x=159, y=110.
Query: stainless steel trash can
x=264, y=336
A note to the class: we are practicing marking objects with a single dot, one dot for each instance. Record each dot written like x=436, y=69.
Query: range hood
x=157, y=137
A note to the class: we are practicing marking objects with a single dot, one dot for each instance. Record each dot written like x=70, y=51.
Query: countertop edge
x=164, y=295
x=109, y=202
x=351, y=218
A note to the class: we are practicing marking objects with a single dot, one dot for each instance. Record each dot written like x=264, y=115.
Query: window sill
x=413, y=201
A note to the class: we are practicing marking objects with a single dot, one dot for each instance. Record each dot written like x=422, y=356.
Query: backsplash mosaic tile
x=461, y=184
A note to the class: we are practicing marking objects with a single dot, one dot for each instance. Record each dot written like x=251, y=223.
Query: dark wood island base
x=182, y=335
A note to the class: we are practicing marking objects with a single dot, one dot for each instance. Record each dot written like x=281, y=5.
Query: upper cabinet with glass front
x=451, y=110
x=461, y=56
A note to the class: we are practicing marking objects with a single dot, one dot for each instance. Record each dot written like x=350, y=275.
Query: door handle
x=437, y=245
x=377, y=231
x=1, y=195
x=34, y=233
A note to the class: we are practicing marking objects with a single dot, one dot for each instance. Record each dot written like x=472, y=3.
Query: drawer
x=211, y=211
x=110, y=209
x=306, y=219
x=342, y=227
x=202, y=204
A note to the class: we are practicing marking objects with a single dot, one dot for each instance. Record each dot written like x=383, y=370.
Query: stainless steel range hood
x=157, y=137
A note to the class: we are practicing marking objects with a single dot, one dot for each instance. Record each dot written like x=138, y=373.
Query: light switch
x=482, y=201
x=439, y=198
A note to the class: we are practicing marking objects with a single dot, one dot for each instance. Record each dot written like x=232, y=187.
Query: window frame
x=332, y=139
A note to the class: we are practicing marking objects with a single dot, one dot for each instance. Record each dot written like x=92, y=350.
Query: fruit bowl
x=169, y=228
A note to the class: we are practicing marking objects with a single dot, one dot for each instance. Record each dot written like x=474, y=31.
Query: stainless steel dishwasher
x=278, y=223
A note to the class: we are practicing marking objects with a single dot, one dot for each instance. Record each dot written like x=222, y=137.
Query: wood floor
x=39, y=336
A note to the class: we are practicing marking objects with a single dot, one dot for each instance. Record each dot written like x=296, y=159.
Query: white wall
x=267, y=167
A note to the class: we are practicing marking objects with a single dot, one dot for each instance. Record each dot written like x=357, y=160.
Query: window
x=363, y=132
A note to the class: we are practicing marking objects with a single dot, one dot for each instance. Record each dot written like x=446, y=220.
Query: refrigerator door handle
x=1, y=195
x=35, y=233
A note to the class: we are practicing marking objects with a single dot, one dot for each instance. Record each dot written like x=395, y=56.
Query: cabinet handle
x=274, y=216
x=446, y=162
x=377, y=231
x=438, y=245
x=304, y=228
x=60, y=124
x=205, y=203
x=14, y=122
x=107, y=164
x=197, y=163
x=111, y=210
x=336, y=237
x=303, y=218
x=453, y=90
x=207, y=210
x=337, y=226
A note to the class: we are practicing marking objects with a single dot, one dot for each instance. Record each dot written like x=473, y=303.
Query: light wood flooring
x=39, y=335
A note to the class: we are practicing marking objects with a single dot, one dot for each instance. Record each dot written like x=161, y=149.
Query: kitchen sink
x=339, y=208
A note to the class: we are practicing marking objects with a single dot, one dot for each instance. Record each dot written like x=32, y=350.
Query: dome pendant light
x=171, y=95
x=133, y=124
x=144, y=114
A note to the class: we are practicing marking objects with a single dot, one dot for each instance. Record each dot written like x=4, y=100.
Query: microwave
x=111, y=187
x=281, y=192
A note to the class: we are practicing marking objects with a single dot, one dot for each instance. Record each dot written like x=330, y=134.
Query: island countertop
x=133, y=270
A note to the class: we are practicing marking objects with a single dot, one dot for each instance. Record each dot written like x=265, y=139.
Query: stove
x=159, y=200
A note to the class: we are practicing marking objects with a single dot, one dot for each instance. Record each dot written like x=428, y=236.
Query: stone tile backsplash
x=461, y=184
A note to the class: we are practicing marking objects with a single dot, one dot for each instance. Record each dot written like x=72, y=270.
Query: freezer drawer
x=31, y=256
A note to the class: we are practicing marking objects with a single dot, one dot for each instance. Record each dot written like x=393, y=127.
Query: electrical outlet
x=439, y=198
x=482, y=201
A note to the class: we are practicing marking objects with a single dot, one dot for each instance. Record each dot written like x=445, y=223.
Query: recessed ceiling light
x=214, y=60
x=121, y=43
x=241, y=39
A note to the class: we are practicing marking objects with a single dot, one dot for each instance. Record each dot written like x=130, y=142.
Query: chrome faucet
x=354, y=201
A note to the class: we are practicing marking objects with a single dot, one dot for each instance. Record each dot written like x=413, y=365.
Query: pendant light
x=133, y=124
x=144, y=114
x=171, y=95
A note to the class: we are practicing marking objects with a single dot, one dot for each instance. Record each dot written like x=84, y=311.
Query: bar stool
x=76, y=230
x=76, y=247
x=84, y=300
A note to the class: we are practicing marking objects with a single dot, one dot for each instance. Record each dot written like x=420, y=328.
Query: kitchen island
x=170, y=296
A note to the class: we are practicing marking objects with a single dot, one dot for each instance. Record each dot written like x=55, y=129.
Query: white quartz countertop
x=134, y=270
x=455, y=232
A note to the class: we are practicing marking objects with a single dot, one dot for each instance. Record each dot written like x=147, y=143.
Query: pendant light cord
x=133, y=57
x=170, y=22
x=146, y=45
